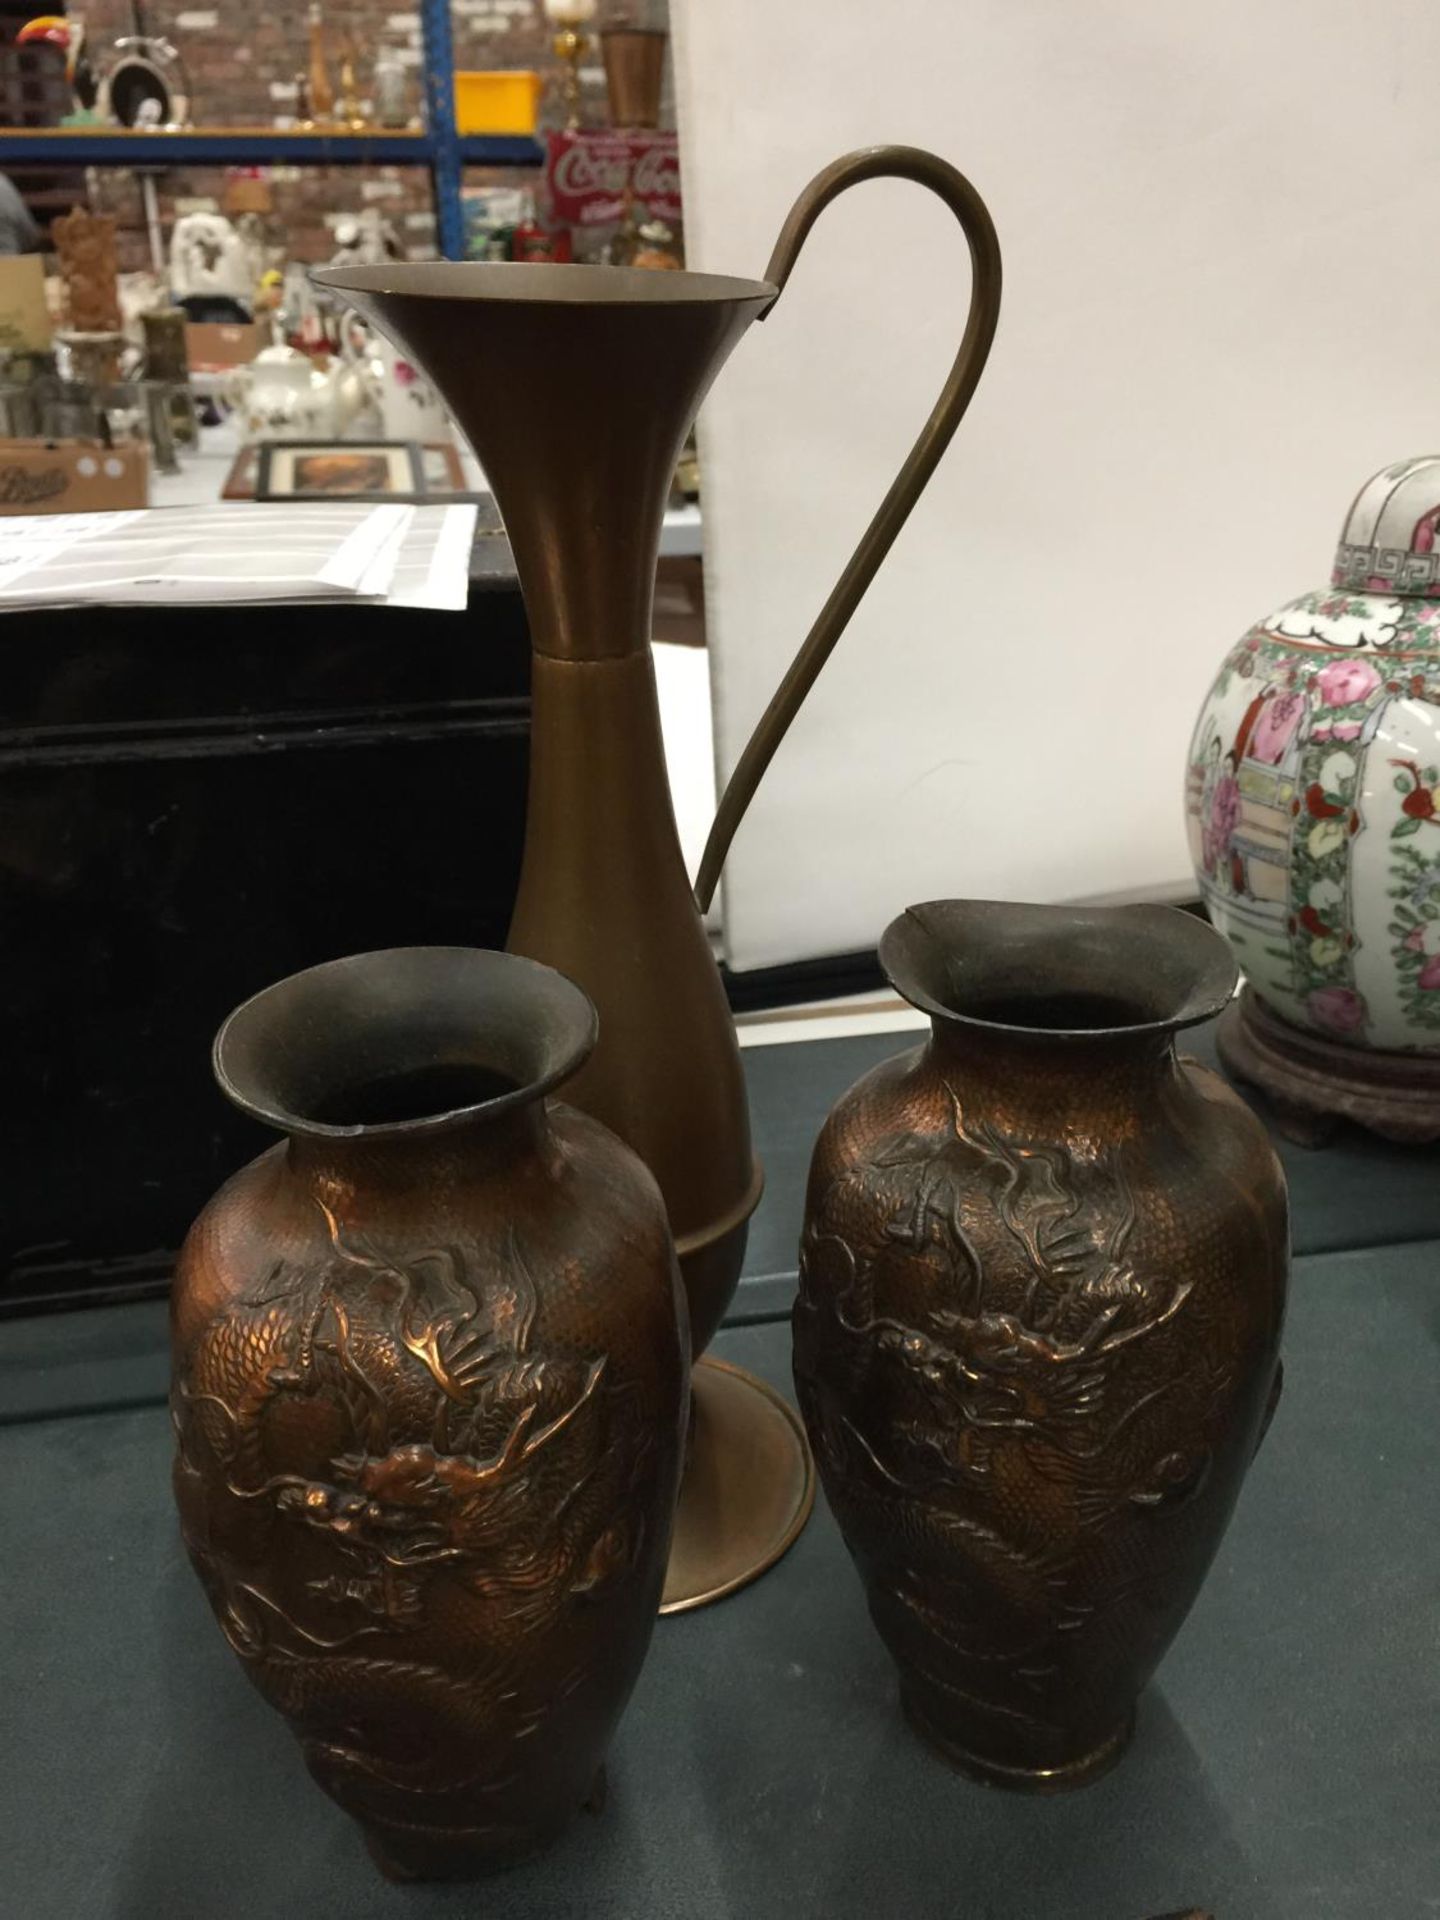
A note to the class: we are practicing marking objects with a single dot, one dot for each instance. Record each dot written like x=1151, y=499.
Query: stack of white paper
x=411, y=556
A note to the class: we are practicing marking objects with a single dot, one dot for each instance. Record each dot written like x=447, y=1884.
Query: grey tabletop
x=1287, y=1760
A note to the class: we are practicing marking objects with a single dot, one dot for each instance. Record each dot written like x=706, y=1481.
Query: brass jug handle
x=903, y=163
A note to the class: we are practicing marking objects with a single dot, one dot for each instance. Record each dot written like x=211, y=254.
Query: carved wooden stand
x=1314, y=1084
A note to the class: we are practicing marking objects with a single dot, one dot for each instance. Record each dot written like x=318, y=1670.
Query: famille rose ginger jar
x=1313, y=805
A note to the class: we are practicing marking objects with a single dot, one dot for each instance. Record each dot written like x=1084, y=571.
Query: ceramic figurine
x=1313, y=804
x=56, y=30
x=366, y=238
x=429, y=1395
x=209, y=260
x=1037, y=1338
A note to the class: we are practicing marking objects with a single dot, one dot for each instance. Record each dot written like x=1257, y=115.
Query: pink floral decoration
x=1346, y=730
x=1340, y=1009
x=1430, y=973
x=1345, y=681
x=1224, y=818
x=1415, y=940
x=404, y=374
x=1275, y=728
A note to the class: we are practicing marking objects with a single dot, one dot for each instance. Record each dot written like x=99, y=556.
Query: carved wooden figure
x=89, y=267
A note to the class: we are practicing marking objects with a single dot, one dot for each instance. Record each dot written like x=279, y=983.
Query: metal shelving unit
x=441, y=148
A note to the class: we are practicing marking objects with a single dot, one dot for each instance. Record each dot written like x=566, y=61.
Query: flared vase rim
x=542, y=283
x=915, y=947
x=534, y=991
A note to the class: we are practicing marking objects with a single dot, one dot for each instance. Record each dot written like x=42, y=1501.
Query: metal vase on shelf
x=581, y=463
x=634, y=68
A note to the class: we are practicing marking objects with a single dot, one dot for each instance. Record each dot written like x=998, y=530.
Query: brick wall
x=243, y=64
x=306, y=202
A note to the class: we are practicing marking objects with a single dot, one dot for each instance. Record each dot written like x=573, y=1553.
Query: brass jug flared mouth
x=541, y=282
x=405, y=1042
x=1059, y=973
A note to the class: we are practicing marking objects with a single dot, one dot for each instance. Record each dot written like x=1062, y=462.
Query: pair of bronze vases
x=432, y=1354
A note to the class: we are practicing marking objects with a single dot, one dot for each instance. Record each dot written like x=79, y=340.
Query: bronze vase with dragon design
x=1037, y=1336
x=430, y=1388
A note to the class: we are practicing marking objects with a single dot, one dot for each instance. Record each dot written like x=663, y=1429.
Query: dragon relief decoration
x=393, y=1494
x=969, y=1311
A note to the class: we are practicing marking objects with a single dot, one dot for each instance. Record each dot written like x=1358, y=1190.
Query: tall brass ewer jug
x=577, y=386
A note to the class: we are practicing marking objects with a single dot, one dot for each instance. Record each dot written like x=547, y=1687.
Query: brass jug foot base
x=1311, y=1085
x=747, y=1491
x=1018, y=1779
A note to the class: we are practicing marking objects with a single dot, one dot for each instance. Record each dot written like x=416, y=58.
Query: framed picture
x=439, y=461
x=443, y=471
x=339, y=470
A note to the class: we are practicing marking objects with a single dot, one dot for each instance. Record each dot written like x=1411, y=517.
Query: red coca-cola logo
x=586, y=170
x=657, y=175
x=589, y=175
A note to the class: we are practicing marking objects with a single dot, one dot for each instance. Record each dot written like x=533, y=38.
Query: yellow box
x=499, y=102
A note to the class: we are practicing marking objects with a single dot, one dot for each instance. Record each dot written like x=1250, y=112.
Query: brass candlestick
x=322, y=94
x=349, y=111
x=571, y=46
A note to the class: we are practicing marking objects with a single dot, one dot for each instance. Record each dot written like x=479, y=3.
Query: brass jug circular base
x=748, y=1487
x=992, y=1773
x=1312, y=1084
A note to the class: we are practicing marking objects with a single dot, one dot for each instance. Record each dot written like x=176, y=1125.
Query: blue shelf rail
x=441, y=148
x=112, y=147
x=444, y=138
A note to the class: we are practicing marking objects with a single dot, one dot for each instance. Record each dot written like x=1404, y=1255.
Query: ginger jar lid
x=1390, y=542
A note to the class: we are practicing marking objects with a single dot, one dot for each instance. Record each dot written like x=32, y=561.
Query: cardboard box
x=72, y=476
x=211, y=343
x=24, y=316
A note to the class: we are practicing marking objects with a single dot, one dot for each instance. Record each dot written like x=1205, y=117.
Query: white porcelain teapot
x=285, y=395
x=409, y=406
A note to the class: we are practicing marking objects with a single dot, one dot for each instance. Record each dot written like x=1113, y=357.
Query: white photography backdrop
x=1220, y=315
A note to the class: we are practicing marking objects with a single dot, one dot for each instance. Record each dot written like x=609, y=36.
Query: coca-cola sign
x=588, y=173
